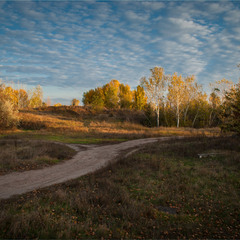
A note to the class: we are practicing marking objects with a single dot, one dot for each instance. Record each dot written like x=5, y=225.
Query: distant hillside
x=87, y=112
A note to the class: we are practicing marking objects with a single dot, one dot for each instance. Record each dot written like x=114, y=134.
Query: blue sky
x=69, y=47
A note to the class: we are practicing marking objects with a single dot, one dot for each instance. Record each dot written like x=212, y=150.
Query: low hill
x=84, y=113
x=85, y=122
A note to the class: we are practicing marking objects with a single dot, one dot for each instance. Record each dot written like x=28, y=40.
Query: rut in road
x=82, y=163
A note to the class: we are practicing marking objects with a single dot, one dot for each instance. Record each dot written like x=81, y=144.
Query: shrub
x=8, y=115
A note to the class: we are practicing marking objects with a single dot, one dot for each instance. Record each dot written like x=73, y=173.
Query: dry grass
x=164, y=191
x=20, y=154
x=38, y=121
x=91, y=126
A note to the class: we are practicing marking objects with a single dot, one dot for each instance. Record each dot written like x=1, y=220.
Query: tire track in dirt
x=84, y=162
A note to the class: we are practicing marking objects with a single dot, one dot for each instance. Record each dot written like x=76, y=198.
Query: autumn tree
x=12, y=95
x=57, y=105
x=111, y=94
x=191, y=89
x=200, y=105
x=98, y=98
x=214, y=105
x=230, y=114
x=155, y=87
x=36, y=97
x=94, y=97
x=139, y=98
x=125, y=96
x=88, y=97
x=176, y=95
x=22, y=99
x=216, y=99
x=19, y=98
x=75, y=102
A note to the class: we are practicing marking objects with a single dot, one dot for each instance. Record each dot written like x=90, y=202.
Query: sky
x=69, y=47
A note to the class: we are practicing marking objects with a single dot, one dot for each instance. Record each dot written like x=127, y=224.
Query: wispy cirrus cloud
x=85, y=44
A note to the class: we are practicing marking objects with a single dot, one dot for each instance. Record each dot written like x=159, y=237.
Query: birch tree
x=191, y=89
x=201, y=104
x=214, y=104
x=155, y=88
x=36, y=97
x=176, y=94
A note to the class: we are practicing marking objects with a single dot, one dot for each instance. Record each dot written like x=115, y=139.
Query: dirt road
x=84, y=162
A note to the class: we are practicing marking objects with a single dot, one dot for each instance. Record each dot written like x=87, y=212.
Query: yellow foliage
x=140, y=100
x=125, y=96
x=57, y=105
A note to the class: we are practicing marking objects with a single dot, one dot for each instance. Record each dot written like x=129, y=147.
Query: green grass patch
x=64, y=138
x=76, y=140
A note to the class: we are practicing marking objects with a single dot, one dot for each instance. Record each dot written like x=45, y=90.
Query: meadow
x=164, y=190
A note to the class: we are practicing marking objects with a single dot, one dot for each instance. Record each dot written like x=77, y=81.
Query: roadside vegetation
x=20, y=154
x=163, y=191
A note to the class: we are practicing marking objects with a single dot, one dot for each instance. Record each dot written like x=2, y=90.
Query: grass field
x=163, y=191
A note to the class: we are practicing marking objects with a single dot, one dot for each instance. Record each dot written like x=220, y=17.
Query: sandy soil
x=89, y=158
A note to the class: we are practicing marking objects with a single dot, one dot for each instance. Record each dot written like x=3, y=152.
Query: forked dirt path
x=84, y=162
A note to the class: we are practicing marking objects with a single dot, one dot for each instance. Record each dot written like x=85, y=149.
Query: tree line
x=20, y=98
x=173, y=100
x=115, y=95
x=166, y=100
x=11, y=100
